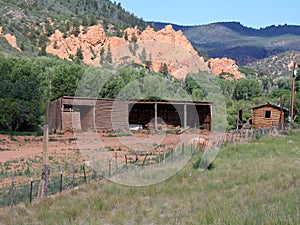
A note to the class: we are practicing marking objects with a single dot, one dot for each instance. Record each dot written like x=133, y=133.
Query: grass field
x=255, y=183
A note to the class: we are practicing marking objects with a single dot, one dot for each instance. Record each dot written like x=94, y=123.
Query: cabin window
x=268, y=114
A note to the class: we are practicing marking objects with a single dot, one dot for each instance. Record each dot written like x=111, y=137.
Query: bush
x=203, y=164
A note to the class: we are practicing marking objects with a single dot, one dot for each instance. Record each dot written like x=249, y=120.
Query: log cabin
x=268, y=115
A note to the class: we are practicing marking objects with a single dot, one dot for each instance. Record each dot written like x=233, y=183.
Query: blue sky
x=251, y=13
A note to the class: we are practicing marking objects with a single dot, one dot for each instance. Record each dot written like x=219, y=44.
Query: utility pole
x=291, y=117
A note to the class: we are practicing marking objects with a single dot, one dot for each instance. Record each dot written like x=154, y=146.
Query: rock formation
x=226, y=67
x=11, y=39
x=162, y=47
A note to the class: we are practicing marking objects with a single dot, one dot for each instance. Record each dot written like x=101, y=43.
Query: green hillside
x=33, y=21
x=256, y=183
x=243, y=44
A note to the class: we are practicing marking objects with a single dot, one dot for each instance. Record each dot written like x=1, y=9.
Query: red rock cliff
x=164, y=46
x=11, y=39
x=226, y=66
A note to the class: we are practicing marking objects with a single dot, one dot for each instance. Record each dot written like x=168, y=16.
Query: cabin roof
x=271, y=104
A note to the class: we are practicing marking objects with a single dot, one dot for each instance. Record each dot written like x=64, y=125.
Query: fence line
x=70, y=176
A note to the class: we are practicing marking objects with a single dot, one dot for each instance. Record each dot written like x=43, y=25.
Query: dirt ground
x=23, y=155
x=15, y=147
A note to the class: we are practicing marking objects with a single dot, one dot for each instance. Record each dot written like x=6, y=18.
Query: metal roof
x=271, y=104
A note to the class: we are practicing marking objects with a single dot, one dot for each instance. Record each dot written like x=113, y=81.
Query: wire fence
x=69, y=176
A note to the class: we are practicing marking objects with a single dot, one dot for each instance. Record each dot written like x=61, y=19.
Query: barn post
x=155, y=116
x=185, y=116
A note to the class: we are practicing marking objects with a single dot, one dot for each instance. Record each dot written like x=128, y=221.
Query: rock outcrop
x=225, y=67
x=162, y=47
x=11, y=39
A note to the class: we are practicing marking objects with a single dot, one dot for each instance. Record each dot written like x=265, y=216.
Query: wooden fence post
x=94, y=175
x=61, y=181
x=159, y=156
x=116, y=158
x=126, y=161
x=43, y=187
x=145, y=158
x=12, y=192
x=84, y=173
x=31, y=187
x=73, y=174
x=109, y=167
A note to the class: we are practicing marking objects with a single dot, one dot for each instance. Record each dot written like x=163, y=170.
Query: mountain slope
x=33, y=21
x=243, y=44
x=277, y=66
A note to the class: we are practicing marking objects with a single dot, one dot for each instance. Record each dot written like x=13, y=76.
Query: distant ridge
x=235, y=41
x=269, y=31
x=161, y=25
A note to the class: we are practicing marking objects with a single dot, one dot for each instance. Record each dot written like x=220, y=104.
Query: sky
x=250, y=13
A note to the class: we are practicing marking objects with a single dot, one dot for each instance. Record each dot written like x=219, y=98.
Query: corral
x=81, y=113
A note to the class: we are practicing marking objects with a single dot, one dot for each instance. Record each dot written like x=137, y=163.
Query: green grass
x=257, y=183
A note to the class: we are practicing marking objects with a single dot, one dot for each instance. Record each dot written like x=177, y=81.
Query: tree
x=126, y=35
x=102, y=59
x=18, y=115
x=143, y=56
x=79, y=54
x=163, y=69
x=247, y=89
x=42, y=51
x=108, y=55
x=93, y=20
x=84, y=21
x=193, y=88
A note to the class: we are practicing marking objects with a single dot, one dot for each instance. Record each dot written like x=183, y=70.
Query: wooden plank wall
x=111, y=114
x=86, y=117
x=259, y=120
x=53, y=114
x=71, y=120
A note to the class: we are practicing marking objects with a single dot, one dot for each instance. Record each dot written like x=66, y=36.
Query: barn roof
x=141, y=101
x=270, y=104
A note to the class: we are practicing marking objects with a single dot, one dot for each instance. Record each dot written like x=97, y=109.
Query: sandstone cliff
x=227, y=67
x=162, y=47
x=11, y=39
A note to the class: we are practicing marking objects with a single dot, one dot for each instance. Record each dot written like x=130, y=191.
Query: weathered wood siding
x=53, y=114
x=82, y=113
x=259, y=120
x=111, y=114
x=71, y=120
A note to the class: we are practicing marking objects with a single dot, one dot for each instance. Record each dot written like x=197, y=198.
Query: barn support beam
x=155, y=116
x=94, y=117
x=185, y=116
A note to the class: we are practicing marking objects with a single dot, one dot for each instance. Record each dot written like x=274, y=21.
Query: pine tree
x=102, y=59
x=108, y=55
x=163, y=69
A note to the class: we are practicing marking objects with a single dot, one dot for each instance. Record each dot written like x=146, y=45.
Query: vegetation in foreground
x=257, y=183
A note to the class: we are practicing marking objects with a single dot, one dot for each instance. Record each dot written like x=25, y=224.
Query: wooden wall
x=111, y=114
x=88, y=114
x=259, y=120
x=53, y=114
x=71, y=120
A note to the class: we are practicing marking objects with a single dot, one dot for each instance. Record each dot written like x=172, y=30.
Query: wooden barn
x=81, y=113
